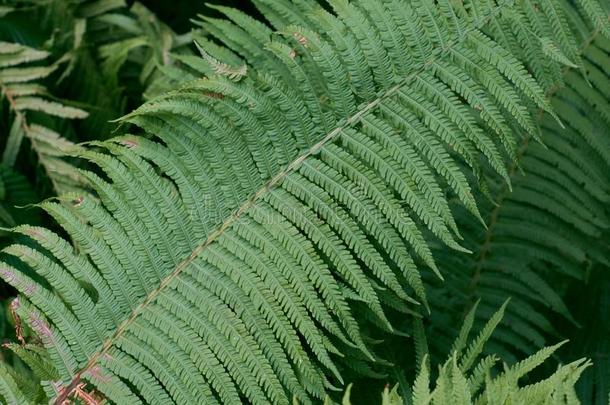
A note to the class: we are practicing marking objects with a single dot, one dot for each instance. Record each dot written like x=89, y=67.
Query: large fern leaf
x=309, y=173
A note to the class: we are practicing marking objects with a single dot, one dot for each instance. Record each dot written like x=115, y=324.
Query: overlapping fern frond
x=140, y=37
x=465, y=379
x=110, y=52
x=30, y=104
x=551, y=230
x=286, y=205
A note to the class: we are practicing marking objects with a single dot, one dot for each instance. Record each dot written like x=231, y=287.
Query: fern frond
x=550, y=231
x=25, y=98
x=457, y=385
x=228, y=251
x=9, y=389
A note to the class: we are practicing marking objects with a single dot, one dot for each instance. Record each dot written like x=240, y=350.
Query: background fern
x=582, y=247
x=286, y=220
x=460, y=381
x=544, y=210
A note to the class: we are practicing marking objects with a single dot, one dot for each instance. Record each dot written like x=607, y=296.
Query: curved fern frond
x=138, y=36
x=225, y=255
x=110, y=53
x=20, y=87
x=550, y=232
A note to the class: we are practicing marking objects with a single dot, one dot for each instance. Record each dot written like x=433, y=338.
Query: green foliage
x=81, y=35
x=14, y=192
x=110, y=53
x=310, y=192
x=460, y=381
x=539, y=239
x=19, y=84
x=592, y=338
x=62, y=62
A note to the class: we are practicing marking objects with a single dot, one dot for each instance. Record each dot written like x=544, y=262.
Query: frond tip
x=221, y=68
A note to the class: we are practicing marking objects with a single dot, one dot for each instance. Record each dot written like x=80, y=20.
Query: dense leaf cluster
x=306, y=195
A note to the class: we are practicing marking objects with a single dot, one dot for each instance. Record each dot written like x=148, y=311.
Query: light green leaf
x=48, y=107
